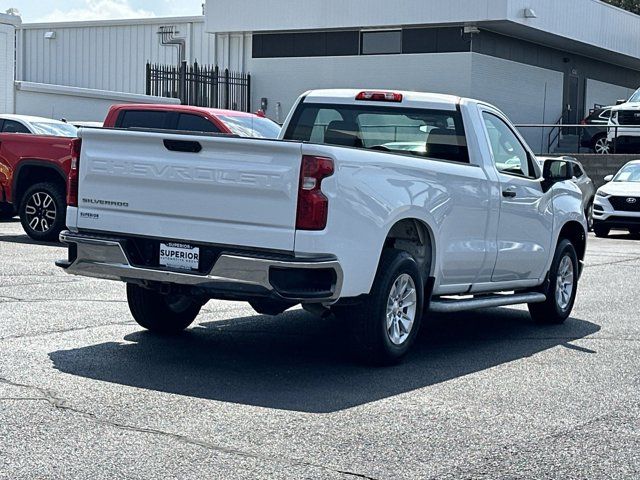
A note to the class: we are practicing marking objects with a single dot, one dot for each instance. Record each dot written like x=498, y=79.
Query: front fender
x=567, y=208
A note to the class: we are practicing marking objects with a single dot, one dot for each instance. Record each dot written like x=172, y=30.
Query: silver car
x=584, y=183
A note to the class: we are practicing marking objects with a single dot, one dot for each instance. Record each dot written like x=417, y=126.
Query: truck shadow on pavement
x=300, y=363
x=24, y=238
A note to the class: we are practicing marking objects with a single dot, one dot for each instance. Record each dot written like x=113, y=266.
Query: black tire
x=589, y=215
x=555, y=311
x=635, y=232
x=367, y=320
x=161, y=313
x=38, y=221
x=7, y=212
x=266, y=306
x=601, y=231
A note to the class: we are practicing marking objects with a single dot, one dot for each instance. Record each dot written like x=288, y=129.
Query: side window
x=195, y=123
x=142, y=119
x=577, y=171
x=605, y=115
x=509, y=155
x=11, y=126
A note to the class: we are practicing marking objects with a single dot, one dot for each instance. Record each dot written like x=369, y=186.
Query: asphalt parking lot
x=84, y=393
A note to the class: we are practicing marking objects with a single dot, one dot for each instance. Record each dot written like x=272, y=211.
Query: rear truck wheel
x=7, y=212
x=601, y=145
x=166, y=314
x=562, y=287
x=385, y=323
x=601, y=231
x=43, y=211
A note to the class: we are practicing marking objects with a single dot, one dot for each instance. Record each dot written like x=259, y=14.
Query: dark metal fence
x=616, y=139
x=200, y=85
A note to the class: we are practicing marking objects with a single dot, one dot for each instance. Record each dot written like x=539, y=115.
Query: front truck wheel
x=562, y=287
x=385, y=324
x=166, y=314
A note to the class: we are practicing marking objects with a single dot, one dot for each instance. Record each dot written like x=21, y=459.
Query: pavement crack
x=353, y=474
x=60, y=404
x=77, y=329
x=633, y=259
x=44, y=300
x=31, y=284
x=46, y=395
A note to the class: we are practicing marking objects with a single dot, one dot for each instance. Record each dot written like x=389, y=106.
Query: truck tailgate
x=208, y=189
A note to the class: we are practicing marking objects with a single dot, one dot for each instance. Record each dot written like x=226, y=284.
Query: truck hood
x=626, y=106
x=621, y=189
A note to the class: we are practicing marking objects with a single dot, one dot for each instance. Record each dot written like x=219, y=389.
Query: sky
x=72, y=10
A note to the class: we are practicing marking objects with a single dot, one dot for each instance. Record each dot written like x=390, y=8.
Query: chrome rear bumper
x=105, y=257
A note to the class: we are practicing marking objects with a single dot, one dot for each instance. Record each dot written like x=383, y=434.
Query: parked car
x=36, y=126
x=622, y=132
x=35, y=159
x=79, y=124
x=582, y=180
x=191, y=119
x=335, y=218
x=617, y=204
x=595, y=135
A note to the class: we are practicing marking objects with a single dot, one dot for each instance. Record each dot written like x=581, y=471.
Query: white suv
x=624, y=134
x=617, y=204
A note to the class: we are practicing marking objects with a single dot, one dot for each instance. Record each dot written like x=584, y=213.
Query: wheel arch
x=416, y=237
x=30, y=172
x=574, y=232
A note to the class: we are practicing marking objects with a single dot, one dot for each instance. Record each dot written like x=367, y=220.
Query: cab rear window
x=437, y=134
x=143, y=119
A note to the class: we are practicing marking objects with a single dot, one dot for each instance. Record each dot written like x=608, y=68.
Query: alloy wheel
x=565, y=283
x=41, y=212
x=601, y=146
x=401, y=309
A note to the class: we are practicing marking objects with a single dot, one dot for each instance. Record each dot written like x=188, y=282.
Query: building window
x=305, y=44
x=381, y=42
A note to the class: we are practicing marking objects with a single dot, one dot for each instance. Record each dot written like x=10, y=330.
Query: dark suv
x=595, y=135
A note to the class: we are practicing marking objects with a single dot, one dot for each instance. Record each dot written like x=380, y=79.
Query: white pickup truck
x=377, y=206
x=623, y=134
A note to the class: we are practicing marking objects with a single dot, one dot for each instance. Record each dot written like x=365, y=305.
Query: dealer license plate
x=180, y=256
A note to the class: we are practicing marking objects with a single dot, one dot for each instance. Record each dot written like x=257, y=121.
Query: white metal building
x=106, y=55
x=535, y=59
x=531, y=57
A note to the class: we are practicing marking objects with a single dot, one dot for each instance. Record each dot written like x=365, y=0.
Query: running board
x=485, y=301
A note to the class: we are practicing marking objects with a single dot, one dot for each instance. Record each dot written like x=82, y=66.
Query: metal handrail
x=606, y=127
x=558, y=125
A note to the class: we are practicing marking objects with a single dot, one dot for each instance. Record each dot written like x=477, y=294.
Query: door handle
x=182, y=146
x=509, y=193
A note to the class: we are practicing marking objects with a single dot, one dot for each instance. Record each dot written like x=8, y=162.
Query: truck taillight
x=380, y=97
x=313, y=206
x=72, y=180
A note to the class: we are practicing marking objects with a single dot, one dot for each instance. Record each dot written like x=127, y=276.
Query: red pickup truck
x=35, y=159
x=34, y=168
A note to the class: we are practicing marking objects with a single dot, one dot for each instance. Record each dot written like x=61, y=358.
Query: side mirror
x=620, y=102
x=555, y=171
x=608, y=178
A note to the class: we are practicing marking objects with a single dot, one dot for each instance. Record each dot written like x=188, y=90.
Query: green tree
x=631, y=5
